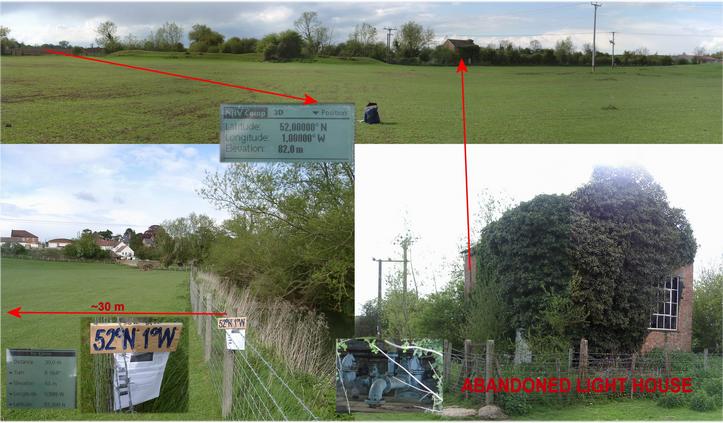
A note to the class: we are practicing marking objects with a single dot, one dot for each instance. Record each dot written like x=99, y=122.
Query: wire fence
x=285, y=370
x=590, y=375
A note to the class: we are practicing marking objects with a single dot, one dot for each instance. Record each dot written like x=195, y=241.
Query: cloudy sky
x=421, y=189
x=666, y=28
x=55, y=191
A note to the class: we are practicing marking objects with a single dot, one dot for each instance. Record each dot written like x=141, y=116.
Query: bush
x=14, y=249
x=514, y=404
x=702, y=402
x=672, y=401
x=714, y=388
x=77, y=51
x=212, y=49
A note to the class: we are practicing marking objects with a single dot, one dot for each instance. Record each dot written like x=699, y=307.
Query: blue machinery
x=376, y=378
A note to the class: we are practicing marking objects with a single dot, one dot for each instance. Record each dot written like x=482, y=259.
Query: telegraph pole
x=594, y=30
x=379, y=290
x=612, y=64
x=389, y=42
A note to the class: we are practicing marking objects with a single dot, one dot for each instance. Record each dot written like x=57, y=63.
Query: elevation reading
x=41, y=378
x=284, y=132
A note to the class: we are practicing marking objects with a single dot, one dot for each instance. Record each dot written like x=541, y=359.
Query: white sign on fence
x=236, y=339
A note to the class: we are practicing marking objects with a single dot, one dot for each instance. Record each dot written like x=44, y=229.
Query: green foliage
x=186, y=240
x=673, y=400
x=202, y=36
x=625, y=239
x=708, y=310
x=236, y=45
x=527, y=250
x=292, y=232
x=514, y=404
x=13, y=249
x=713, y=386
x=85, y=247
x=700, y=401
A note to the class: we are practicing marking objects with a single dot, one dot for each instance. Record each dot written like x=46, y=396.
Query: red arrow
x=307, y=99
x=461, y=69
x=18, y=313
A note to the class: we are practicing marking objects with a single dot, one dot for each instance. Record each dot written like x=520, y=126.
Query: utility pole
x=594, y=30
x=379, y=290
x=612, y=64
x=389, y=42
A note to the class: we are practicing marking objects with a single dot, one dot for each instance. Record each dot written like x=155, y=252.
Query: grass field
x=626, y=410
x=39, y=285
x=53, y=99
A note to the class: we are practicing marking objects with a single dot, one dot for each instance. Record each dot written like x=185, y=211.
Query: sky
x=55, y=191
x=421, y=189
x=666, y=28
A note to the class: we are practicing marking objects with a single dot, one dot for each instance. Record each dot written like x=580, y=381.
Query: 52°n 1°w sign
x=109, y=338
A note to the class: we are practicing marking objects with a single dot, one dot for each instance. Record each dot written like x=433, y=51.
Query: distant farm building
x=456, y=45
x=59, y=242
x=21, y=237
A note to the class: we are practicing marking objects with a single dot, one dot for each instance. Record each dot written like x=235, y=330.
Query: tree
x=106, y=234
x=412, y=38
x=535, y=45
x=238, y=45
x=362, y=40
x=291, y=235
x=107, y=37
x=314, y=34
x=289, y=46
x=168, y=36
x=707, y=313
x=699, y=52
x=563, y=51
x=202, y=38
x=64, y=44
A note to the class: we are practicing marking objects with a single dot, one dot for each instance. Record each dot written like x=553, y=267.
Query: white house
x=59, y=242
x=124, y=251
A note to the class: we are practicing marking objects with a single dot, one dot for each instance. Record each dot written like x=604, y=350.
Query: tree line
x=310, y=37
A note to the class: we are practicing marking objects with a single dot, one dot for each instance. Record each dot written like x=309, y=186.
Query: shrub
x=672, y=401
x=702, y=402
x=514, y=404
x=714, y=388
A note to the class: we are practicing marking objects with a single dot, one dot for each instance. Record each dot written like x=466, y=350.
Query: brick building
x=671, y=324
x=455, y=45
x=22, y=237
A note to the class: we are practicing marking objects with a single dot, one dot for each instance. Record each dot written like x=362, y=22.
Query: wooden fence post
x=467, y=358
x=582, y=365
x=570, y=353
x=705, y=359
x=228, y=376
x=447, y=363
x=489, y=362
x=199, y=305
x=207, y=331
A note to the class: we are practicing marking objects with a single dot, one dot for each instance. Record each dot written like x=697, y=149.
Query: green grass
x=620, y=410
x=46, y=286
x=63, y=100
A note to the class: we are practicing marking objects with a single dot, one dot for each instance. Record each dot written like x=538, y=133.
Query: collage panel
x=153, y=282
x=580, y=290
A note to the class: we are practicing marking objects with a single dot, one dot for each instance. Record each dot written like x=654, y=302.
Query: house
x=106, y=244
x=117, y=248
x=455, y=45
x=59, y=242
x=22, y=237
x=671, y=324
x=124, y=251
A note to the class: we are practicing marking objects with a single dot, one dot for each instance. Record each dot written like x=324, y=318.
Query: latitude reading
x=287, y=132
